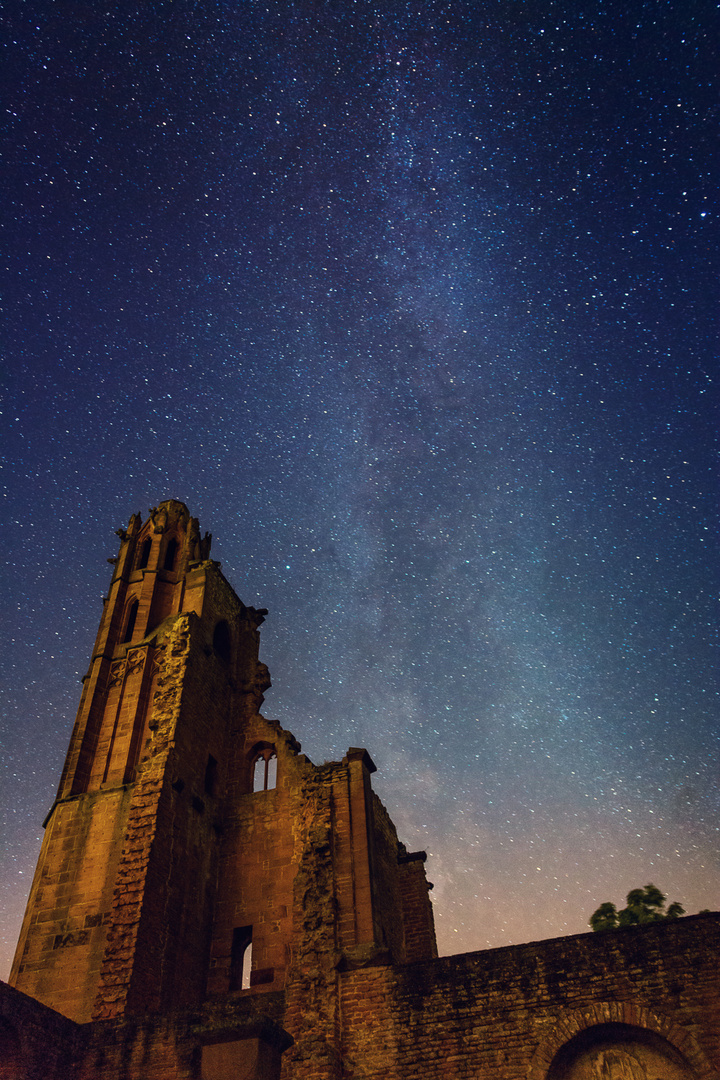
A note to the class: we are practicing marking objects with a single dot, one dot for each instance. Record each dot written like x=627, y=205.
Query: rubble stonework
x=190, y=832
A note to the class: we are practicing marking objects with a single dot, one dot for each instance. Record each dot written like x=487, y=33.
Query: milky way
x=412, y=304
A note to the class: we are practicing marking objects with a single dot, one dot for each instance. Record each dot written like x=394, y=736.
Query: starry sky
x=413, y=304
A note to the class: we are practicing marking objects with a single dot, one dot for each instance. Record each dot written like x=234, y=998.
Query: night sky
x=413, y=304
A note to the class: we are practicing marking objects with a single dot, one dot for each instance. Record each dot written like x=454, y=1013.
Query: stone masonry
x=210, y=904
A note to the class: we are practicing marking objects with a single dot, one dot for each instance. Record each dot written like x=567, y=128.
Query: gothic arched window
x=265, y=769
x=170, y=555
x=144, y=556
x=130, y=623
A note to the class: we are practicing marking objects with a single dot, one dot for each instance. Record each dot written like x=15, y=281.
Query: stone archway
x=618, y=1041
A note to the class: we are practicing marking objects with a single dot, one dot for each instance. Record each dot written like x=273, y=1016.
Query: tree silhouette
x=643, y=906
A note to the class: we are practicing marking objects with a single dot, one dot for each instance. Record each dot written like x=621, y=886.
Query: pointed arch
x=263, y=767
x=130, y=620
x=171, y=552
x=573, y=1026
x=144, y=553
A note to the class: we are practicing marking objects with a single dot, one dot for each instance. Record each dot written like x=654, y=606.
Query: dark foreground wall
x=238, y=1039
x=635, y=1005
x=36, y=1043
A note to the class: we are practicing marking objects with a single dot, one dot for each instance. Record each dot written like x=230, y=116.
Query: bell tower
x=149, y=585
x=111, y=927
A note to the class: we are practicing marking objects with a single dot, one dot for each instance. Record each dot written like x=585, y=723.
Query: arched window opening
x=131, y=619
x=221, y=641
x=265, y=770
x=145, y=550
x=241, y=958
x=170, y=555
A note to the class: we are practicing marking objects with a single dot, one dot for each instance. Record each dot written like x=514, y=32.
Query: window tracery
x=265, y=769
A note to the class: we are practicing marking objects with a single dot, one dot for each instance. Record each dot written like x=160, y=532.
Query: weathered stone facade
x=210, y=904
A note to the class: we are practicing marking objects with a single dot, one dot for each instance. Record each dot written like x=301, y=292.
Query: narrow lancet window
x=130, y=624
x=170, y=555
x=241, y=958
x=145, y=549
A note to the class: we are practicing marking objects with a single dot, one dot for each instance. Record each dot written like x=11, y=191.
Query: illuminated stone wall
x=209, y=904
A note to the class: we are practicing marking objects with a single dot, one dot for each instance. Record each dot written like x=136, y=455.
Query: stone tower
x=192, y=852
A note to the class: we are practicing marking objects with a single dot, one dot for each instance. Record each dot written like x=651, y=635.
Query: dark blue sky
x=414, y=306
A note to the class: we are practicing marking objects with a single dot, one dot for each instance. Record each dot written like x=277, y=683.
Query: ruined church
x=209, y=904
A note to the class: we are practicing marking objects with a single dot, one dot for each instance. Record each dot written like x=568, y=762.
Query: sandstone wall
x=63, y=938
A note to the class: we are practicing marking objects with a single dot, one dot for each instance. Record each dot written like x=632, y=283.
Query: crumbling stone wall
x=311, y=1014
x=418, y=918
x=160, y=927
x=133, y=896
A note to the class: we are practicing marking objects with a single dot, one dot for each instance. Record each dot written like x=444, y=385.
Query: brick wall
x=36, y=1043
x=170, y=1046
x=505, y=1013
x=644, y=1003
x=418, y=918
